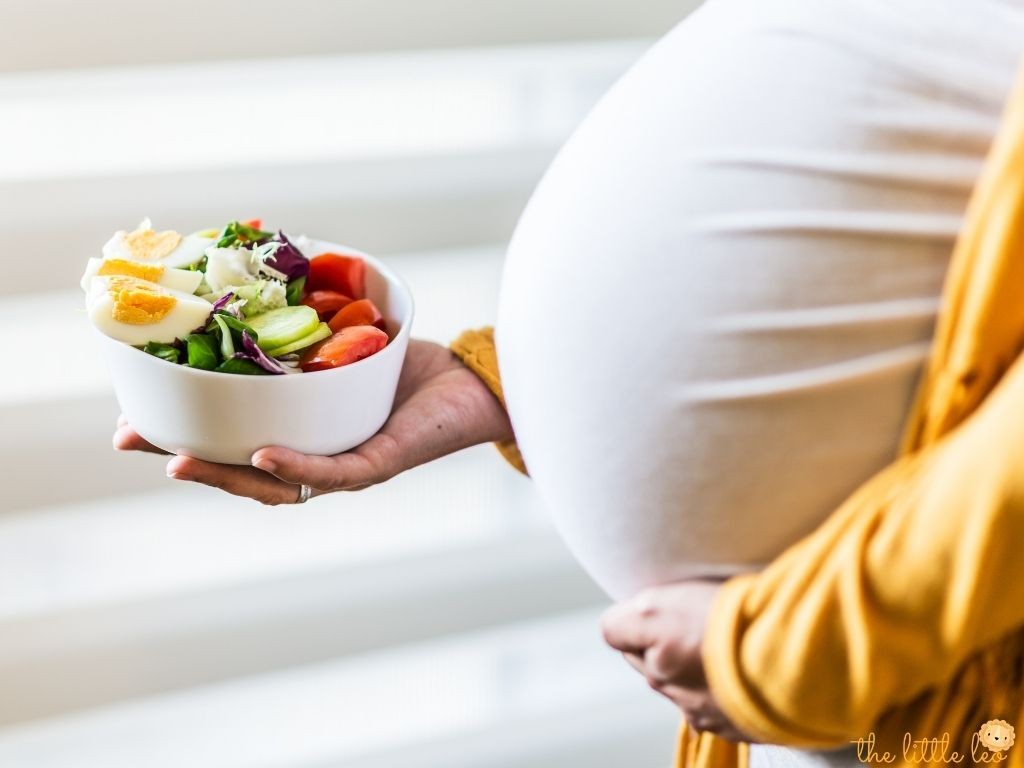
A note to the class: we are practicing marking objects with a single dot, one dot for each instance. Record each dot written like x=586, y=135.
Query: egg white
x=176, y=279
x=189, y=251
x=188, y=313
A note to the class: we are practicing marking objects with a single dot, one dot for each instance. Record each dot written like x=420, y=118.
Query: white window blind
x=48, y=34
x=436, y=620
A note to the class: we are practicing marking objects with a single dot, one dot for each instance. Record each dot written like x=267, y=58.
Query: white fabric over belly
x=718, y=301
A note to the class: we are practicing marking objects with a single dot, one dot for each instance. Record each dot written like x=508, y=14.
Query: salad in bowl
x=238, y=300
x=225, y=341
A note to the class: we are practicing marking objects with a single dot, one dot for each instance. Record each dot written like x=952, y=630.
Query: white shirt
x=718, y=301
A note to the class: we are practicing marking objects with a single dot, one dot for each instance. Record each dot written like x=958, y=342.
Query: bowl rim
x=392, y=277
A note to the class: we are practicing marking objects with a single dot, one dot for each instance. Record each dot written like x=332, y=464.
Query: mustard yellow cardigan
x=903, y=613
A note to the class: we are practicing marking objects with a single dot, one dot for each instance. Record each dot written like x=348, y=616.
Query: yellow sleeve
x=897, y=589
x=913, y=582
x=475, y=348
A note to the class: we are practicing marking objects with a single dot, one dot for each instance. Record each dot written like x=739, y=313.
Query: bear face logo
x=996, y=735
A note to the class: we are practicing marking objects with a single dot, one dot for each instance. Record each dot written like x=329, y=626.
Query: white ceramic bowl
x=227, y=417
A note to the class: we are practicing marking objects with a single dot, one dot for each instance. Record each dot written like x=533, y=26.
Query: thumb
x=372, y=462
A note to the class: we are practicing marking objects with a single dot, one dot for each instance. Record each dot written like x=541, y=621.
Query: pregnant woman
x=720, y=298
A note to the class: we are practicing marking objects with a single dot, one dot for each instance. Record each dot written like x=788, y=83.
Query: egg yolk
x=136, y=302
x=150, y=272
x=148, y=245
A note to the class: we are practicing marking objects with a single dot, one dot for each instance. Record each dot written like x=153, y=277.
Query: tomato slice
x=327, y=303
x=334, y=272
x=362, y=312
x=254, y=223
x=346, y=346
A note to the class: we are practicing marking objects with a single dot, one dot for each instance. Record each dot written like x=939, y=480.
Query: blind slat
x=46, y=34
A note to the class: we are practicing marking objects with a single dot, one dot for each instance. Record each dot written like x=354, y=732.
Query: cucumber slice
x=284, y=325
x=321, y=333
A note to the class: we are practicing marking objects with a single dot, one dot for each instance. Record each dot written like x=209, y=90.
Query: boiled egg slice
x=147, y=245
x=138, y=311
x=185, y=280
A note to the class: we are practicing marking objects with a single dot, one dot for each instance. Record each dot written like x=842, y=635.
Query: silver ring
x=304, y=493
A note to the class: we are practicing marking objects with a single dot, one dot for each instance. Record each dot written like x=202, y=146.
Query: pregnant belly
x=719, y=299
x=684, y=447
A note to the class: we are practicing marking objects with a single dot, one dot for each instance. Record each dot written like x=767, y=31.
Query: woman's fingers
x=664, y=627
x=670, y=661
x=127, y=439
x=277, y=471
x=374, y=461
x=628, y=627
x=240, y=481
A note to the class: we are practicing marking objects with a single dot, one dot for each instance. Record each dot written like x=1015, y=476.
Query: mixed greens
x=260, y=317
x=255, y=280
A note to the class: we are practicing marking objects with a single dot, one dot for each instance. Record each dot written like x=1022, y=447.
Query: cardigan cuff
x=475, y=348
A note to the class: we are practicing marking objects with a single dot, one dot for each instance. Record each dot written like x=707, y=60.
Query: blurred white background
x=434, y=621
